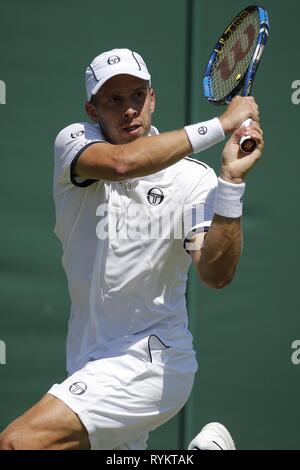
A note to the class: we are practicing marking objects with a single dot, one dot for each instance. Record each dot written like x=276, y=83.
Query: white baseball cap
x=111, y=63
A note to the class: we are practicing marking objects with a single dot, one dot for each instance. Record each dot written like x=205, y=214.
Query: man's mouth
x=132, y=129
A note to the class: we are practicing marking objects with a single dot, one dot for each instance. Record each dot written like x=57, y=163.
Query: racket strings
x=232, y=62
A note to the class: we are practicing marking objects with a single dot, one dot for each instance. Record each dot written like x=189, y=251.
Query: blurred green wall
x=243, y=334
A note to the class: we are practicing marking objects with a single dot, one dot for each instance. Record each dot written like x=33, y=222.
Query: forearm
x=217, y=259
x=146, y=155
x=221, y=251
x=149, y=155
x=141, y=157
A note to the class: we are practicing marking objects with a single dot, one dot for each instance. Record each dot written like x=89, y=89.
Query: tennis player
x=132, y=212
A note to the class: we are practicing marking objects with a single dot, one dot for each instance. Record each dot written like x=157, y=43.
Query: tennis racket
x=234, y=61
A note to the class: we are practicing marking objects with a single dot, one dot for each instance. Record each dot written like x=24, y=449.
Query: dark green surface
x=243, y=334
x=45, y=48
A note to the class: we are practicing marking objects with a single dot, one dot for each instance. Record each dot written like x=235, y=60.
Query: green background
x=243, y=334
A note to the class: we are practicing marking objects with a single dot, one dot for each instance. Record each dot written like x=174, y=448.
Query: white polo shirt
x=123, y=249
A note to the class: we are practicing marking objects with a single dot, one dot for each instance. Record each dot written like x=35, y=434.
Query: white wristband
x=205, y=134
x=229, y=199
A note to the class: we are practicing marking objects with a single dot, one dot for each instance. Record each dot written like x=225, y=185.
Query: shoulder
x=193, y=171
x=78, y=131
x=189, y=161
x=194, y=178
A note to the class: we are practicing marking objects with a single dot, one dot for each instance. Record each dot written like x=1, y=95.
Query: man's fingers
x=248, y=130
x=256, y=135
x=253, y=125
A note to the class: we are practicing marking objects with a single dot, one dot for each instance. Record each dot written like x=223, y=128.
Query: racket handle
x=247, y=144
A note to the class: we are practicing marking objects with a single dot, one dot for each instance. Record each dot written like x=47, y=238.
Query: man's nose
x=130, y=112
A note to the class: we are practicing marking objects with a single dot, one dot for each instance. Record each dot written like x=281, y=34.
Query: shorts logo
x=155, y=196
x=76, y=134
x=78, y=388
x=112, y=60
x=202, y=130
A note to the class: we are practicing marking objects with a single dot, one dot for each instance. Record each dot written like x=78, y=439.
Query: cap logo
x=112, y=60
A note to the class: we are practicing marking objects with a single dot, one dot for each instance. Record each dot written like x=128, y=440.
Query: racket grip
x=247, y=144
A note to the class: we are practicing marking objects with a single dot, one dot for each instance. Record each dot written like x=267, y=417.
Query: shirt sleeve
x=198, y=208
x=69, y=145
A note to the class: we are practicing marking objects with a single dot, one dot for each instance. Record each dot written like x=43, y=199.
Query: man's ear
x=91, y=111
x=153, y=100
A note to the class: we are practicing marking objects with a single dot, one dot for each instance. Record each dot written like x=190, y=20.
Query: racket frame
x=246, y=82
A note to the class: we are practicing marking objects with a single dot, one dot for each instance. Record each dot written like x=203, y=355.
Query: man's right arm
x=148, y=155
x=142, y=157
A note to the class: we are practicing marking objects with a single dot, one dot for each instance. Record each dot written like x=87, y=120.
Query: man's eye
x=113, y=100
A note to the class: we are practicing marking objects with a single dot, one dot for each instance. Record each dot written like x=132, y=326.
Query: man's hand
x=239, y=109
x=235, y=164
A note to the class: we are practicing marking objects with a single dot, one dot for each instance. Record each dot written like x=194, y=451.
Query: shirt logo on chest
x=155, y=196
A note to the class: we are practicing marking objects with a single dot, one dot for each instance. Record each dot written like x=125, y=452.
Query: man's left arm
x=218, y=258
x=216, y=254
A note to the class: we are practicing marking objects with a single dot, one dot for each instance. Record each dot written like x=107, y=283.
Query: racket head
x=233, y=63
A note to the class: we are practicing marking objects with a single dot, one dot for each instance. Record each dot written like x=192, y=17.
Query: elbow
x=123, y=168
x=220, y=284
x=121, y=171
x=215, y=282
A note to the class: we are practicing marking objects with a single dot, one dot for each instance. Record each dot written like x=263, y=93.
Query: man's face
x=123, y=107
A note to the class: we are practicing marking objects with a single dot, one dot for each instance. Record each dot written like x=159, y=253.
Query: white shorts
x=120, y=399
